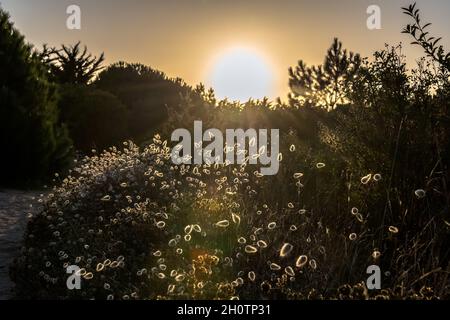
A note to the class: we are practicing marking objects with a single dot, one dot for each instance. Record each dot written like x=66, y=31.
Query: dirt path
x=14, y=207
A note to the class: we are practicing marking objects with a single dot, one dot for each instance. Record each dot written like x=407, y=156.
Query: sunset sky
x=190, y=38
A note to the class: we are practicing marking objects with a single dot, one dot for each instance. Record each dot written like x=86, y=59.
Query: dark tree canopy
x=146, y=92
x=32, y=143
x=96, y=119
x=71, y=64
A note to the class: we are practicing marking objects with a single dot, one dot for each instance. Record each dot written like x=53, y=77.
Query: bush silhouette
x=71, y=65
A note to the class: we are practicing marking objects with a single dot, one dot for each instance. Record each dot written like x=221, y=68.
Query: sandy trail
x=14, y=207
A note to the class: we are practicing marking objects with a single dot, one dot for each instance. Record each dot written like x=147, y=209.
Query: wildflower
x=320, y=165
x=313, y=264
x=355, y=211
x=252, y=276
x=180, y=278
x=106, y=198
x=292, y=148
x=160, y=224
x=272, y=225
x=250, y=249
x=377, y=177
x=376, y=254
x=393, y=229
x=236, y=218
x=359, y=217
x=88, y=276
x=420, y=193
x=286, y=249
x=280, y=157
x=157, y=253
x=289, y=271
x=262, y=244
x=298, y=175
x=266, y=287
x=366, y=179
x=242, y=240
x=188, y=229
x=223, y=224
x=275, y=267
x=301, y=261
x=352, y=236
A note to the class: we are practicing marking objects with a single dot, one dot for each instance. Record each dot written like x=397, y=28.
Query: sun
x=240, y=74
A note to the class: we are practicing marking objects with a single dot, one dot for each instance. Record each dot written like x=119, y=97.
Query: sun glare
x=240, y=74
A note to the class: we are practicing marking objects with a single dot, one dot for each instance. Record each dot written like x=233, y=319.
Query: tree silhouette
x=324, y=85
x=32, y=142
x=71, y=64
x=96, y=119
x=146, y=92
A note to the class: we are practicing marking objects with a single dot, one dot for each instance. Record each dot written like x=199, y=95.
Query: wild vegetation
x=363, y=180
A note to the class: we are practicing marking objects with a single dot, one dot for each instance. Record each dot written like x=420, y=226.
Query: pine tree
x=325, y=85
x=71, y=64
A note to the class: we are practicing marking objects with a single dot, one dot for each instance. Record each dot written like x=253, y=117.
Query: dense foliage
x=146, y=92
x=33, y=143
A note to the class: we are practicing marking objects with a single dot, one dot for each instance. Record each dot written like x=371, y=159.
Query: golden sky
x=184, y=37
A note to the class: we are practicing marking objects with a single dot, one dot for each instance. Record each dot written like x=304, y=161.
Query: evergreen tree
x=32, y=143
x=71, y=64
x=325, y=85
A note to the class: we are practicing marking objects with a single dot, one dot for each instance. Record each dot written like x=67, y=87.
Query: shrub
x=142, y=228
